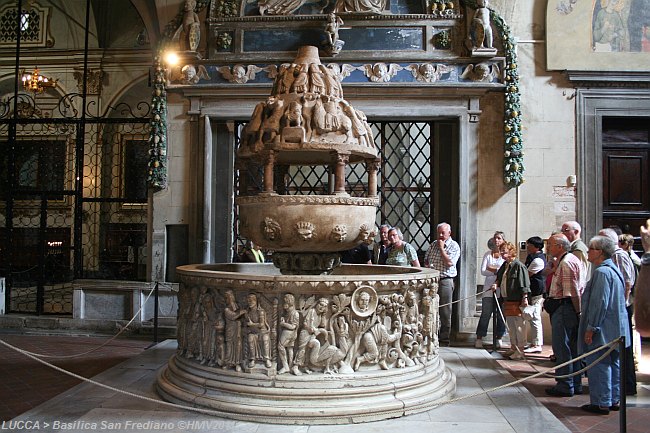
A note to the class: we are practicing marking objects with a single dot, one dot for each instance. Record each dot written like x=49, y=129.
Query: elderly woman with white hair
x=401, y=253
x=603, y=319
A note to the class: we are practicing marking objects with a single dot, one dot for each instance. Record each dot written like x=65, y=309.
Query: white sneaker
x=499, y=344
x=478, y=343
x=533, y=349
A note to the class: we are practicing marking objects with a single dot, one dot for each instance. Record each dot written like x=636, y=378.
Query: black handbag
x=552, y=304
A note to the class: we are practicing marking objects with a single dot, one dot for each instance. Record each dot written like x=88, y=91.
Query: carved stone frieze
x=298, y=326
x=312, y=199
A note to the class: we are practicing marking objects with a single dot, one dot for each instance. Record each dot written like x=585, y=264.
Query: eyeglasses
x=567, y=230
x=595, y=249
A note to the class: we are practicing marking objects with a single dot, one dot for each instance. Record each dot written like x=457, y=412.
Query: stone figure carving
x=271, y=123
x=381, y=72
x=342, y=330
x=365, y=6
x=193, y=331
x=411, y=330
x=217, y=348
x=332, y=43
x=411, y=315
x=301, y=81
x=427, y=72
x=208, y=325
x=334, y=74
x=185, y=305
x=314, y=325
x=249, y=133
x=233, y=336
x=317, y=80
x=239, y=74
x=293, y=116
x=481, y=72
x=272, y=229
x=480, y=27
x=430, y=323
x=288, y=332
x=259, y=339
x=191, y=74
x=358, y=129
x=305, y=230
x=286, y=78
x=374, y=345
x=364, y=301
x=190, y=34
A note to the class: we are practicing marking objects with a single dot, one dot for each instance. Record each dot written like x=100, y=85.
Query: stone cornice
x=610, y=79
x=442, y=21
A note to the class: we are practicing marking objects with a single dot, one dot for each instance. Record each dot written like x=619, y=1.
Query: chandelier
x=35, y=82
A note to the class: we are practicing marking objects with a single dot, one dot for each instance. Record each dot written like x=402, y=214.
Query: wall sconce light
x=35, y=82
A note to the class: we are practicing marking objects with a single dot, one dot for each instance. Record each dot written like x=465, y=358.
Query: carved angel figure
x=341, y=71
x=381, y=72
x=480, y=30
x=427, y=72
x=239, y=73
x=193, y=74
x=480, y=72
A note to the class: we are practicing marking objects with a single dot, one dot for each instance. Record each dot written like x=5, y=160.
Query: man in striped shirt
x=443, y=254
x=566, y=289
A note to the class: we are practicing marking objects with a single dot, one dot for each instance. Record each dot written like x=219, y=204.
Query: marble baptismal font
x=306, y=340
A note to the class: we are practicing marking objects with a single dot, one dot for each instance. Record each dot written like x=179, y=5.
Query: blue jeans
x=489, y=306
x=564, y=331
x=604, y=379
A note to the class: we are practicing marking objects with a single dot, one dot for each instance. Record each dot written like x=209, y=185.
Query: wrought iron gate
x=73, y=199
x=405, y=181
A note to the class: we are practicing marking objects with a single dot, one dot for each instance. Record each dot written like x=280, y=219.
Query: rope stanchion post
x=622, y=418
x=494, y=324
x=155, y=314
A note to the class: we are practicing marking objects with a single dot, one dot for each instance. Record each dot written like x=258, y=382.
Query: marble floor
x=87, y=407
x=35, y=397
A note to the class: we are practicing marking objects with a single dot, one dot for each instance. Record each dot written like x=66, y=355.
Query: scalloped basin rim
x=253, y=270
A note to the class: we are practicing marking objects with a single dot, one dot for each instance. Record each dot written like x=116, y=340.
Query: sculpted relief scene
x=305, y=334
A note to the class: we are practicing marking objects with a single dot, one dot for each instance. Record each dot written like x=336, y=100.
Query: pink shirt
x=568, y=279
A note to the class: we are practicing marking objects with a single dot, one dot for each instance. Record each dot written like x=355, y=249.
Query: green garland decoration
x=513, y=155
x=157, y=166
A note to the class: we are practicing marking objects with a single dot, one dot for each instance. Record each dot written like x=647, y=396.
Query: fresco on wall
x=598, y=35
